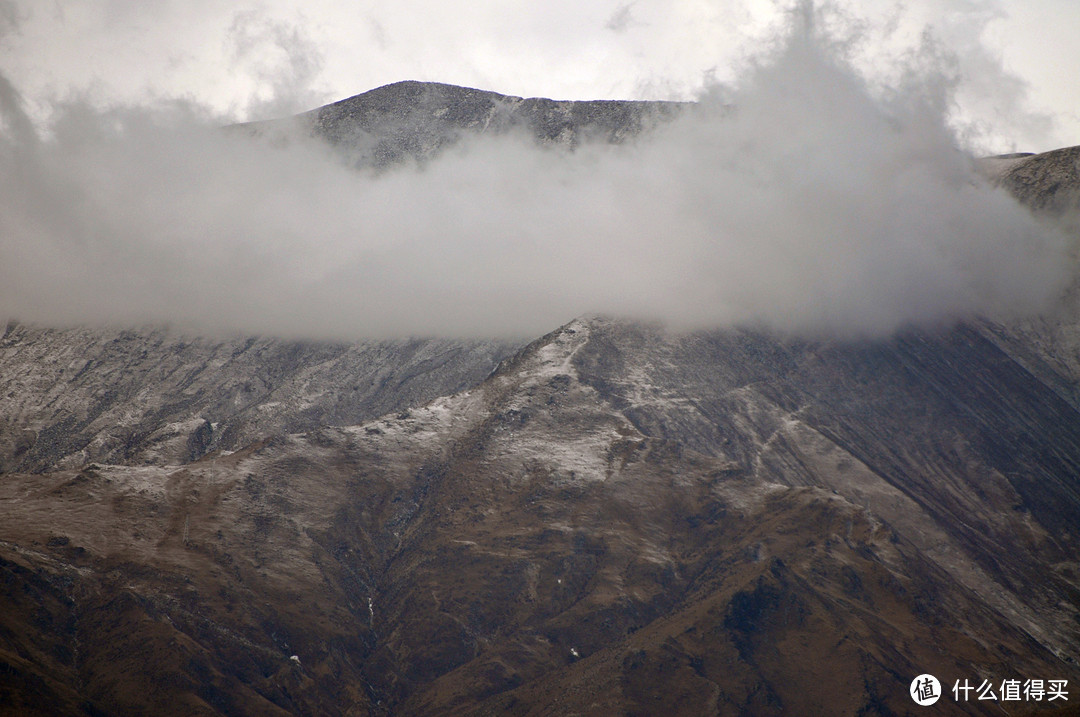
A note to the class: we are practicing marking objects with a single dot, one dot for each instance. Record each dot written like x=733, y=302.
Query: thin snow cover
x=149, y=481
x=800, y=197
x=420, y=428
x=582, y=442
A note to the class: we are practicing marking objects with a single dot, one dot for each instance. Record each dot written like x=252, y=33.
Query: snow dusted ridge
x=73, y=396
x=508, y=414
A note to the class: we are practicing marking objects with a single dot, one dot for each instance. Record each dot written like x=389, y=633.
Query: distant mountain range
x=612, y=519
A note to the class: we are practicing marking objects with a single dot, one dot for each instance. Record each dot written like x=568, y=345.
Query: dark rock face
x=617, y=520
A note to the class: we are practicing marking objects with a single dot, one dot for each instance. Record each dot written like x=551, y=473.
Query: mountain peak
x=414, y=120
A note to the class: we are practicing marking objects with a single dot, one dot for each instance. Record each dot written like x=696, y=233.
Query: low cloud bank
x=798, y=199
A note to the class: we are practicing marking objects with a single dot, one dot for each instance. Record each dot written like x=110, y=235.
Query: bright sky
x=1017, y=59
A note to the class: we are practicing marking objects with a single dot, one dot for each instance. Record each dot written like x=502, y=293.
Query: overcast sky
x=1016, y=59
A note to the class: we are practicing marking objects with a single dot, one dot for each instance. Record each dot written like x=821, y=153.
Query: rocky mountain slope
x=1047, y=181
x=619, y=519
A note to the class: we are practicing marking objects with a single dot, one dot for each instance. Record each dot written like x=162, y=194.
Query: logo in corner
x=925, y=690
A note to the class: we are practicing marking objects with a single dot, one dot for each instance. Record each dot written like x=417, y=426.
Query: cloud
x=281, y=58
x=622, y=19
x=797, y=198
x=996, y=101
x=17, y=125
x=10, y=17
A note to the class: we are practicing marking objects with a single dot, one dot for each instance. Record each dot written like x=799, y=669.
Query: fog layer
x=798, y=199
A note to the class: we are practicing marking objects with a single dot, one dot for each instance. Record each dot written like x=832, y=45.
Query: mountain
x=415, y=120
x=617, y=519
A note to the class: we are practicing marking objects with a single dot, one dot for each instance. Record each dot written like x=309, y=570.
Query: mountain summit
x=415, y=120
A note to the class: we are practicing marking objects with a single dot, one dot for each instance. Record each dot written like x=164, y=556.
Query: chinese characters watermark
x=925, y=690
x=1012, y=690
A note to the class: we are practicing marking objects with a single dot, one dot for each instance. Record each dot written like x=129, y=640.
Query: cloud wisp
x=798, y=198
